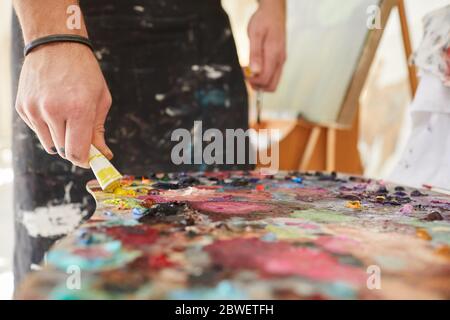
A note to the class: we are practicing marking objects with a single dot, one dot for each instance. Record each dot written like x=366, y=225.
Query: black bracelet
x=57, y=38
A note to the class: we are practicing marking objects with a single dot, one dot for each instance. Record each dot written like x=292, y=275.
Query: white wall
x=5, y=88
x=6, y=220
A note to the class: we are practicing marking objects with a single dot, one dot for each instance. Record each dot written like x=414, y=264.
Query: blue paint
x=340, y=290
x=225, y=290
x=139, y=212
x=116, y=257
x=109, y=214
x=297, y=179
x=211, y=98
x=269, y=237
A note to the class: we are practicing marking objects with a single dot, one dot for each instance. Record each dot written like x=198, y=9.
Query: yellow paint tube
x=108, y=177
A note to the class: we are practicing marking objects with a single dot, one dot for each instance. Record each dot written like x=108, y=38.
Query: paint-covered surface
x=238, y=235
x=168, y=64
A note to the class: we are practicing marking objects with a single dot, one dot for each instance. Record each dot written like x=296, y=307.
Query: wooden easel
x=353, y=94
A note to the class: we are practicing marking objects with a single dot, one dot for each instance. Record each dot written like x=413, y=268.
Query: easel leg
x=407, y=45
x=310, y=145
x=331, y=150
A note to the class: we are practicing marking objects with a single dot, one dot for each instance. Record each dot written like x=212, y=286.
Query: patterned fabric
x=433, y=54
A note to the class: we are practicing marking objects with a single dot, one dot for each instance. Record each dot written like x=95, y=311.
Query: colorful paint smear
x=240, y=235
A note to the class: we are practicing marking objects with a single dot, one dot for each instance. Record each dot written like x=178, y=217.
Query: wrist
x=57, y=39
x=32, y=35
x=273, y=4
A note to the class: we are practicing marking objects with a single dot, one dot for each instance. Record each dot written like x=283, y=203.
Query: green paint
x=115, y=257
x=288, y=232
x=438, y=230
x=124, y=203
x=390, y=262
x=429, y=225
x=322, y=216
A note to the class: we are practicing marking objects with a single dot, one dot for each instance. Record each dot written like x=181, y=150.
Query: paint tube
x=108, y=177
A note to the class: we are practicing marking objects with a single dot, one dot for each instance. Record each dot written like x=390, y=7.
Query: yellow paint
x=112, y=186
x=423, y=234
x=108, y=174
x=354, y=204
x=248, y=72
x=123, y=192
x=443, y=251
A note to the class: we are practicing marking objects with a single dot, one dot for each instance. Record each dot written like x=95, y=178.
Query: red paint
x=218, y=174
x=145, y=180
x=159, y=262
x=282, y=259
x=148, y=203
x=153, y=199
x=337, y=244
x=208, y=187
x=127, y=180
x=154, y=262
x=133, y=236
x=96, y=252
x=260, y=187
x=231, y=207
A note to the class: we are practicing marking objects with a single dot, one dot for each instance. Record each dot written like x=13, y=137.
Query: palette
x=239, y=235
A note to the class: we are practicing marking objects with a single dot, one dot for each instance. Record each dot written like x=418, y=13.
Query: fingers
x=23, y=116
x=267, y=53
x=58, y=133
x=31, y=117
x=43, y=133
x=256, y=50
x=273, y=54
x=98, y=139
x=273, y=84
x=99, y=142
x=79, y=131
x=71, y=133
x=55, y=121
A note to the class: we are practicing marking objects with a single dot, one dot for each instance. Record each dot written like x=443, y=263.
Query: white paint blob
x=53, y=220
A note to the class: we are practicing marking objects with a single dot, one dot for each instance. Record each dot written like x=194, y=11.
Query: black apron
x=167, y=63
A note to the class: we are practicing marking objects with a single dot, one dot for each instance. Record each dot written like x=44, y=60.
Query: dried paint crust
x=237, y=235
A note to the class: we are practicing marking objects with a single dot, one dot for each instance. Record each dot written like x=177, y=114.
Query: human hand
x=267, y=34
x=63, y=97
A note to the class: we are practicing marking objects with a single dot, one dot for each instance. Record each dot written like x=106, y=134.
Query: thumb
x=256, y=52
x=98, y=137
x=98, y=140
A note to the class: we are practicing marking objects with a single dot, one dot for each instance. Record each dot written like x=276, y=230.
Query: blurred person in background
x=426, y=159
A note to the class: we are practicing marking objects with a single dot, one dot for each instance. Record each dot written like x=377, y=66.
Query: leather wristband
x=56, y=38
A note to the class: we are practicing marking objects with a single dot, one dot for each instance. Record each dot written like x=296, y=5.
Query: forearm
x=278, y=5
x=39, y=18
